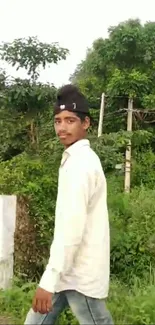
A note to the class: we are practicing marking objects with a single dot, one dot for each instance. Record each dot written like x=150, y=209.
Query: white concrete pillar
x=7, y=230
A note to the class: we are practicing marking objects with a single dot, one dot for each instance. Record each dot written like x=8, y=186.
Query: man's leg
x=88, y=311
x=59, y=304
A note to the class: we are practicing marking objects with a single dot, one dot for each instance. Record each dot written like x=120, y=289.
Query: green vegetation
x=133, y=305
x=123, y=66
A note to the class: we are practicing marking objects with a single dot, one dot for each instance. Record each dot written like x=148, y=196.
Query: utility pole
x=128, y=149
x=100, y=125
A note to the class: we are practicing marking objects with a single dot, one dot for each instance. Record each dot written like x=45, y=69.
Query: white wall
x=7, y=230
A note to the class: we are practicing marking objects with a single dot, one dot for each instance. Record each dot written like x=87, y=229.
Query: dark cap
x=71, y=99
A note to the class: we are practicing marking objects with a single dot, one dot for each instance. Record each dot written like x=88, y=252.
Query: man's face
x=69, y=127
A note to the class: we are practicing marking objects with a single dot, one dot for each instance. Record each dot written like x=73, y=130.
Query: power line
x=121, y=96
x=136, y=110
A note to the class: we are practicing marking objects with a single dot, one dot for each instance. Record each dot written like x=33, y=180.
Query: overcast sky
x=75, y=24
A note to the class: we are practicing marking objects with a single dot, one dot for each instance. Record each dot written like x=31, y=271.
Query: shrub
x=143, y=169
x=132, y=218
x=35, y=179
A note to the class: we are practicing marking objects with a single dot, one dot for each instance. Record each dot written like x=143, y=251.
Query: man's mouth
x=62, y=136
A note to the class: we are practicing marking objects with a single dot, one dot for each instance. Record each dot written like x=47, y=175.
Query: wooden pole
x=100, y=125
x=128, y=149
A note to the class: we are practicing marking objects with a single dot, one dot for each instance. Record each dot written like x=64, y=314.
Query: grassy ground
x=133, y=305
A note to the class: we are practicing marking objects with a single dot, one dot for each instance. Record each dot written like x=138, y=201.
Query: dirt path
x=4, y=320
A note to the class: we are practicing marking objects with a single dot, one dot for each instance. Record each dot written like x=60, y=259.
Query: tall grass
x=128, y=305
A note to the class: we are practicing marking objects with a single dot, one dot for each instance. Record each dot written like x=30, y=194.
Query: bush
x=132, y=218
x=35, y=179
x=143, y=169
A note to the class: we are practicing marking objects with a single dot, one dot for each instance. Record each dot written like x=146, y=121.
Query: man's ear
x=86, y=123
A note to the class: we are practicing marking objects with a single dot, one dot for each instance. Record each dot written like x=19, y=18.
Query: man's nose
x=62, y=127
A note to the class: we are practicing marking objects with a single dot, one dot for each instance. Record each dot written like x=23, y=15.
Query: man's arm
x=70, y=225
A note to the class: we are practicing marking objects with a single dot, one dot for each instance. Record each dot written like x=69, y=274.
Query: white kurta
x=80, y=252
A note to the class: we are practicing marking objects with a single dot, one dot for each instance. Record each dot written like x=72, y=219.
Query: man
x=77, y=274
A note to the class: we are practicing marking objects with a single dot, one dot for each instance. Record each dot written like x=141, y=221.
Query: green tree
x=31, y=54
x=122, y=65
x=26, y=105
x=25, y=116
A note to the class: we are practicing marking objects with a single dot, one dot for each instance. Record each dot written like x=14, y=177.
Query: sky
x=74, y=24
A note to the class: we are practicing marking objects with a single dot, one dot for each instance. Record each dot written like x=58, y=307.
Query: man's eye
x=70, y=121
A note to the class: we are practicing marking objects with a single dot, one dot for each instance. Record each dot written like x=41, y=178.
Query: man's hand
x=42, y=301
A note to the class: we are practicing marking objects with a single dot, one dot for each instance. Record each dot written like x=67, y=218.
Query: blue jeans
x=88, y=311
